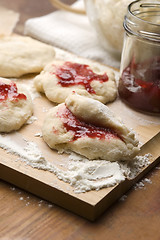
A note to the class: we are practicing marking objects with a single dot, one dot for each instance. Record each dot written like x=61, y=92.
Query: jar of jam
x=139, y=83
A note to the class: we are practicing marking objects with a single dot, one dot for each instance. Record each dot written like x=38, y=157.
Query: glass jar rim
x=131, y=21
x=151, y=4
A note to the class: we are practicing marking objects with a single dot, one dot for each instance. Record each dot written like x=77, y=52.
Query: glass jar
x=139, y=84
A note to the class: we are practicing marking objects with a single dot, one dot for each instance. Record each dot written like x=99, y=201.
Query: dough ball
x=20, y=55
x=88, y=127
x=59, y=79
x=15, y=105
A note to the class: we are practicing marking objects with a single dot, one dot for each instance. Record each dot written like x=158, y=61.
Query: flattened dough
x=14, y=111
x=47, y=82
x=20, y=55
x=119, y=144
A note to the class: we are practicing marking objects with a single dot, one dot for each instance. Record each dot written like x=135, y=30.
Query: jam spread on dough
x=9, y=91
x=139, y=85
x=70, y=74
x=81, y=129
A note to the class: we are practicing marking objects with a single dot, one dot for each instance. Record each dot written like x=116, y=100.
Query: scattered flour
x=148, y=120
x=44, y=110
x=158, y=168
x=141, y=184
x=38, y=134
x=31, y=201
x=123, y=198
x=82, y=174
x=15, y=144
x=31, y=119
x=33, y=92
x=132, y=168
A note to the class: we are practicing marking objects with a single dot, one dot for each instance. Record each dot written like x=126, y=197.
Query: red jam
x=9, y=91
x=139, y=85
x=82, y=129
x=71, y=74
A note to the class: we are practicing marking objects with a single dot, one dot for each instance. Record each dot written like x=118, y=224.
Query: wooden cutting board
x=47, y=186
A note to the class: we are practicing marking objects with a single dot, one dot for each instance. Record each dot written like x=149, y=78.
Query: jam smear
x=82, y=129
x=70, y=74
x=139, y=85
x=9, y=91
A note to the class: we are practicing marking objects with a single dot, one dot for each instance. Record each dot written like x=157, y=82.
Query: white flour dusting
x=123, y=198
x=38, y=134
x=132, y=168
x=15, y=144
x=82, y=174
x=31, y=119
x=32, y=90
x=141, y=184
x=30, y=201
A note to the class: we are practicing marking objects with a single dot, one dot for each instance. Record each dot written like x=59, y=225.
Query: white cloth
x=72, y=32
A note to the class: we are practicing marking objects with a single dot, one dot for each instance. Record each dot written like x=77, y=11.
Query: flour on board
x=82, y=174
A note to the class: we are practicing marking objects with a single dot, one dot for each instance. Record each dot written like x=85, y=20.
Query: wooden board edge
x=118, y=191
x=46, y=192
x=123, y=187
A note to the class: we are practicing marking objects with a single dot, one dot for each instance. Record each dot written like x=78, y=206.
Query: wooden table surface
x=24, y=216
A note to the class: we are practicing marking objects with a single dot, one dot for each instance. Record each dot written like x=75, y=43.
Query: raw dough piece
x=15, y=105
x=88, y=127
x=48, y=82
x=21, y=55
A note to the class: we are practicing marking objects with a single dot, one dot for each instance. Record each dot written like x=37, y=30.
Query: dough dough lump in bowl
x=88, y=127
